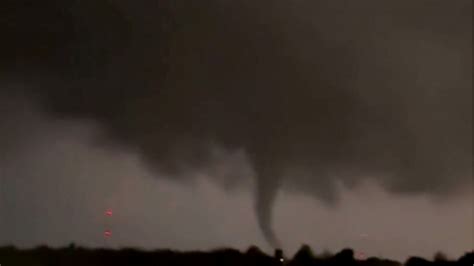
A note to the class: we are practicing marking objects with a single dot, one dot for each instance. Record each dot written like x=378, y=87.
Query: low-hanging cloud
x=312, y=92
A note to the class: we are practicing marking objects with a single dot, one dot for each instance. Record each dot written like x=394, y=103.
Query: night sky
x=216, y=123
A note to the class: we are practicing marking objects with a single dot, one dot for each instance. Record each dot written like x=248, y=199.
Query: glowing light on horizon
x=361, y=256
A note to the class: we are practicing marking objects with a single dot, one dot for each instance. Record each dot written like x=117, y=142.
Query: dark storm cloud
x=314, y=92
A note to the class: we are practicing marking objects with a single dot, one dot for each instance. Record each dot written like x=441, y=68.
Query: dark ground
x=44, y=256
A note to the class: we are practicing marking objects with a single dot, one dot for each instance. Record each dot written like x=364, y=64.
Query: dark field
x=90, y=257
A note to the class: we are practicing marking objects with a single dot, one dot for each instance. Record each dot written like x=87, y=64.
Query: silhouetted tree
x=416, y=261
x=304, y=256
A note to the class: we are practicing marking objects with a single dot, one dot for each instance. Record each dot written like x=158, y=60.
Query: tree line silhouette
x=75, y=256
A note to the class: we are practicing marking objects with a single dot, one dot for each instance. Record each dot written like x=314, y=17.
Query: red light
x=108, y=233
x=108, y=212
x=361, y=256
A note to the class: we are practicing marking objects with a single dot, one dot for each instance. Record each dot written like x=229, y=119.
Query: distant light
x=361, y=256
x=282, y=259
x=108, y=212
x=108, y=233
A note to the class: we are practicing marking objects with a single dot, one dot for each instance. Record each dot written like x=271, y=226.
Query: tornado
x=265, y=195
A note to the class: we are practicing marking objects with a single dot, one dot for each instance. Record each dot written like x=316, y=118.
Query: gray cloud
x=312, y=93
